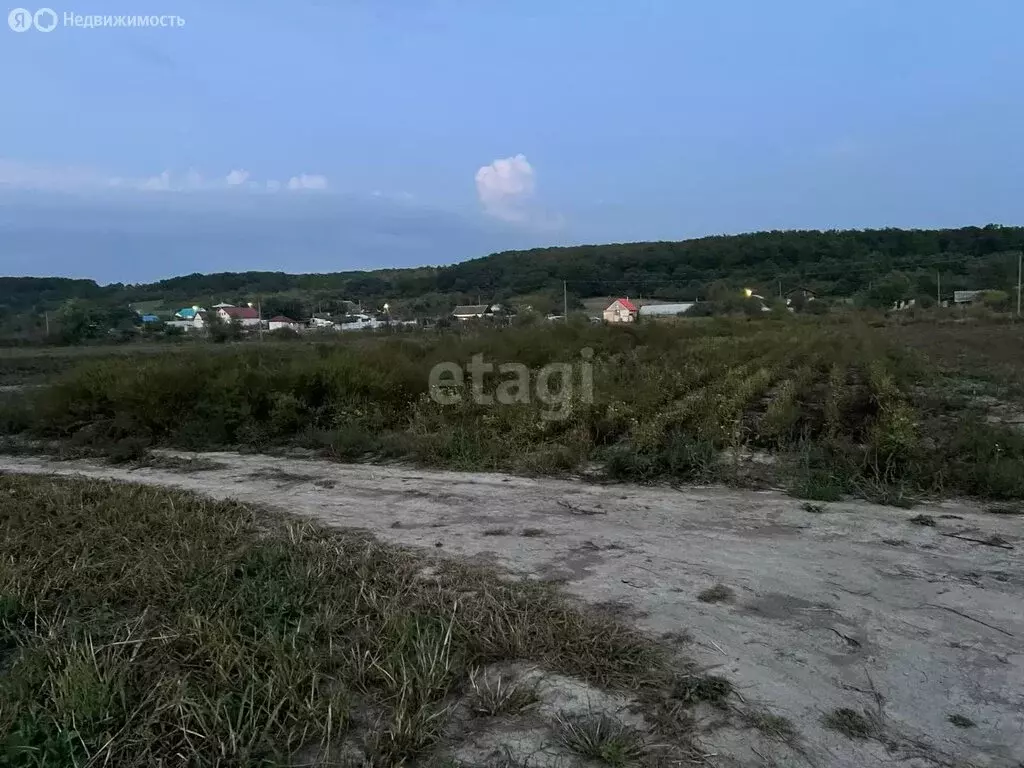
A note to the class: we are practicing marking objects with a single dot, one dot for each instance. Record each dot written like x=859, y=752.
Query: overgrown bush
x=847, y=410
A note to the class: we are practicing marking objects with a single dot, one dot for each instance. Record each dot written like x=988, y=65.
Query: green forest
x=871, y=267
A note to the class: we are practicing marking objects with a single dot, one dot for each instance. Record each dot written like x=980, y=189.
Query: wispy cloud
x=21, y=175
x=307, y=181
x=27, y=176
x=161, y=182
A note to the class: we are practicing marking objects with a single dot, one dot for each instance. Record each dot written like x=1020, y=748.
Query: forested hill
x=842, y=263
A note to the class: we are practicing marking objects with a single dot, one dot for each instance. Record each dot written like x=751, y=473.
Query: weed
x=818, y=485
x=601, y=737
x=961, y=721
x=282, y=476
x=850, y=723
x=1005, y=509
x=774, y=726
x=814, y=509
x=839, y=407
x=681, y=637
x=180, y=464
x=497, y=532
x=692, y=689
x=532, y=533
x=716, y=594
x=926, y=520
x=490, y=696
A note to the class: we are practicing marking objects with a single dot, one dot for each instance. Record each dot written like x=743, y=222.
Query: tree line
x=875, y=267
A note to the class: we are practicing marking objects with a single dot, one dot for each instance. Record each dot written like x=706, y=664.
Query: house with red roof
x=620, y=311
x=247, y=317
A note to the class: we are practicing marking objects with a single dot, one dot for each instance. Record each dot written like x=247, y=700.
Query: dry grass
x=716, y=594
x=490, y=696
x=142, y=627
x=603, y=738
x=1005, y=509
x=841, y=407
x=813, y=507
x=710, y=689
x=961, y=721
x=851, y=723
x=773, y=726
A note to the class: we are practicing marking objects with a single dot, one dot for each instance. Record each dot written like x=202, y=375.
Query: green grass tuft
x=601, y=738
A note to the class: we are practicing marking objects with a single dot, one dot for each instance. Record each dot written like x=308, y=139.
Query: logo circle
x=45, y=20
x=20, y=20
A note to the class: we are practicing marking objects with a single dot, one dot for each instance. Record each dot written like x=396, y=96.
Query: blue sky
x=471, y=126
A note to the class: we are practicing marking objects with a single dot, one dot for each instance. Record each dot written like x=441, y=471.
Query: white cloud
x=21, y=175
x=400, y=197
x=307, y=181
x=26, y=176
x=505, y=188
x=236, y=178
x=157, y=183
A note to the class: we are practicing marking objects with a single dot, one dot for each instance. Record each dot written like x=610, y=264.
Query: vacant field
x=143, y=627
x=826, y=408
x=986, y=356
x=853, y=635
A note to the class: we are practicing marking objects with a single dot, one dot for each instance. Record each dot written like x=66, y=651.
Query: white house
x=281, y=322
x=361, y=323
x=620, y=311
x=476, y=311
x=246, y=316
x=967, y=297
x=194, y=320
x=665, y=310
x=321, y=320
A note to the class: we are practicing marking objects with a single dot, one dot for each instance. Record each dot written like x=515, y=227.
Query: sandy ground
x=856, y=607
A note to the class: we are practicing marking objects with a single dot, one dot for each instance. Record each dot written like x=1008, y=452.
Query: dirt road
x=856, y=607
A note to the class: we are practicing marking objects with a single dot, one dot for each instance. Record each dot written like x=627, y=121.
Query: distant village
x=198, y=319
x=620, y=310
x=249, y=317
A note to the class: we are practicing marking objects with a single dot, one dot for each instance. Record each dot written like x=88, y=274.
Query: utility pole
x=938, y=289
x=565, y=302
x=259, y=314
x=1020, y=265
x=46, y=317
x=780, y=289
